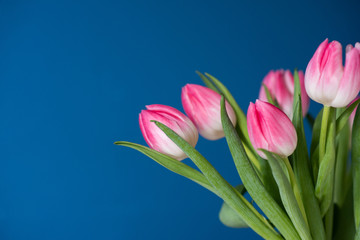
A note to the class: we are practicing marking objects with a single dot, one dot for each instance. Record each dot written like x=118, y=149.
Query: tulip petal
x=350, y=82
x=255, y=130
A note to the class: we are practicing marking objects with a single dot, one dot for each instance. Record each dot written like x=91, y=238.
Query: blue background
x=75, y=74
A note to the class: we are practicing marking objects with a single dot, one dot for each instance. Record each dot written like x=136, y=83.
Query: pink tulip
x=270, y=129
x=202, y=105
x=327, y=81
x=172, y=118
x=281, y=87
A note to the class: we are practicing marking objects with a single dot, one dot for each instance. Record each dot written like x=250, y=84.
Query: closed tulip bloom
x=327, y=81
x=280, y=84
x=202, y=105
x=270, y=129
x=172, y=118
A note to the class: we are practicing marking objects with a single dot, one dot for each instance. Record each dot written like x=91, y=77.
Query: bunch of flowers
x=302, y=194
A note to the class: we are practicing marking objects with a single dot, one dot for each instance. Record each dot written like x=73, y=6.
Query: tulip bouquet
x=302, y=193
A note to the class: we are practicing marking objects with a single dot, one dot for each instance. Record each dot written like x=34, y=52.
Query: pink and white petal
x=289, y=81
x=269, y=81
x=331, y=73
x=255, y=130
x=350, y=83
x=283, y=95
x=313, y=72
x=167, y=111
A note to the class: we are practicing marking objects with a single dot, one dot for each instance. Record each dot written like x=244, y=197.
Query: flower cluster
x=300, y=192
x=326, y=81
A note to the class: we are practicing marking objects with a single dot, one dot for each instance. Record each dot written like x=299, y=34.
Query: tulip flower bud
x=327, y=81
x=280, y=84
x=202, y=105
x=270, y=129
x=172, y=118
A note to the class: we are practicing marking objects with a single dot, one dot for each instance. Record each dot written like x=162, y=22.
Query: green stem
x=330, y=146
x=323, y=131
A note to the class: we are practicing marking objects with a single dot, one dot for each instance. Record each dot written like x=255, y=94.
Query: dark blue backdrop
x=75, y=74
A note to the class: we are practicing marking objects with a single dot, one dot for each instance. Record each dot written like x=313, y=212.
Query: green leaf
x=341, y=121
x=229, y=217
x=269, y=182
x=252, y=182
x=355, y=157
x=270, y=99
x=288, y=197
x=302, y=169
x=314, y=149
x=325, y=181
x=171, y=164
x=344, y=228
x=207, y=82
x=341, y=175
x=344, y=117
x=228, y=193
x=297, y=92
